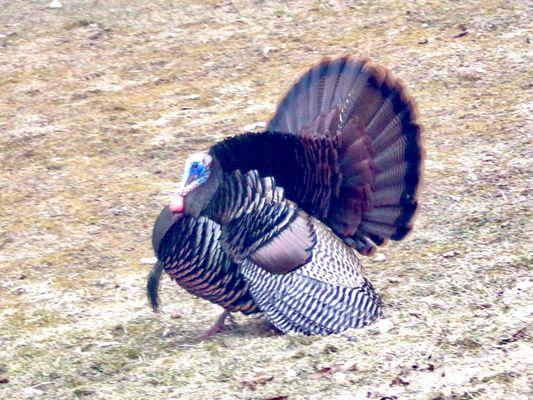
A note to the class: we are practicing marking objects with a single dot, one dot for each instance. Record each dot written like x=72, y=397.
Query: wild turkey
x=266, y=222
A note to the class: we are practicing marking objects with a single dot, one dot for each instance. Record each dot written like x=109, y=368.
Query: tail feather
x=334, y=71
x=387, y=139
x=384, y=215
x=379, y=229
x=391, y=177
x=384, y=121
x=380, y=149
x=388, y=196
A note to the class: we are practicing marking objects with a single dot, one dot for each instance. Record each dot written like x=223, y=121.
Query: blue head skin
x=195, y=190
x=196, y=173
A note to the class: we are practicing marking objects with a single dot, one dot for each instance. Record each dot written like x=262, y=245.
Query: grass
x=102, y=101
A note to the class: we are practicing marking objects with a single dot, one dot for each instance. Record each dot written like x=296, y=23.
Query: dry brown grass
x=101, y=101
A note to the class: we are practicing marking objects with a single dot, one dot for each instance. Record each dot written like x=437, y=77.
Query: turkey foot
x=217, y=327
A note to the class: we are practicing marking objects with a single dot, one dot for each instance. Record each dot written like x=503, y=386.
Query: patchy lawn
x=101, y=101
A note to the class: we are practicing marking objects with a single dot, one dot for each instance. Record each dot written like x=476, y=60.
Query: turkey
x=270, y=222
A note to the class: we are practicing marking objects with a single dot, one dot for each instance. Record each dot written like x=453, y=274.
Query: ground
x=100, y=103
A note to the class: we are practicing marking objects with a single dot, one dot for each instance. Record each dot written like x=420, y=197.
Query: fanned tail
x=374, y=121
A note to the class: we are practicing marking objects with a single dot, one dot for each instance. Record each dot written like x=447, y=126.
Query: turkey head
x=200, y=181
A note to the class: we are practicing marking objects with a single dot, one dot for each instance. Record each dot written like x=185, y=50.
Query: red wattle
x=176, y=204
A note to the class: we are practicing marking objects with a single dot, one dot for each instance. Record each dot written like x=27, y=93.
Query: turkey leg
x=217, y=327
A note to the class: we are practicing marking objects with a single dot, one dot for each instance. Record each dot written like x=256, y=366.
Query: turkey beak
x=189, y=179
